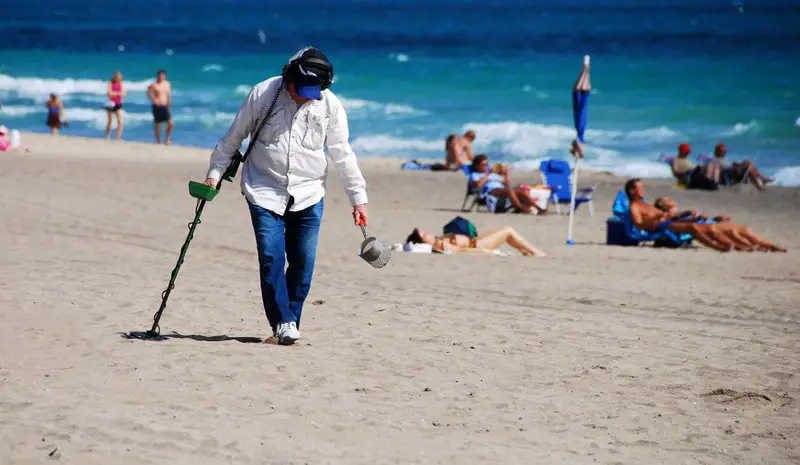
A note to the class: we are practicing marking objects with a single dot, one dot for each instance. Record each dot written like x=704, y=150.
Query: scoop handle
x=362, y=225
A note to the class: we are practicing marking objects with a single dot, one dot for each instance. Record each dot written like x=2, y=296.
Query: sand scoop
x=373, y=251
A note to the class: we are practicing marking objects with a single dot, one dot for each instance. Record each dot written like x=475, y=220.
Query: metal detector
x=203, y=193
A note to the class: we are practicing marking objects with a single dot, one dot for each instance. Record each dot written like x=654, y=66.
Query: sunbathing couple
x=458, y=150
x=718, y=233
x=484, y=243
x=716, y=171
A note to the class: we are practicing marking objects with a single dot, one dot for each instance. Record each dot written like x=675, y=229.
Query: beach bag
x=459, y=225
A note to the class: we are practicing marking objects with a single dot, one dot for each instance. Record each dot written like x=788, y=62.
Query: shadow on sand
x=144, y=336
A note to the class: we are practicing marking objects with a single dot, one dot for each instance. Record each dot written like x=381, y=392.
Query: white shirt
x=288, y=159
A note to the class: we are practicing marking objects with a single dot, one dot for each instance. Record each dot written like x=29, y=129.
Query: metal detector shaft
x=154, y=331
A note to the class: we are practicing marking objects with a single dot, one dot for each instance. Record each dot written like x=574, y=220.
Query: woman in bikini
x=485, y=243
x=116, y=90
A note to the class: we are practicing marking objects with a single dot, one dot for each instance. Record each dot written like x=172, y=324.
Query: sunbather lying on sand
x=484, y=243
x=742, y=237
x=714, y=235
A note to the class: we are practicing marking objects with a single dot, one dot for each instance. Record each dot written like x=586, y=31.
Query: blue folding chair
x=557, y=175
x=620, y=229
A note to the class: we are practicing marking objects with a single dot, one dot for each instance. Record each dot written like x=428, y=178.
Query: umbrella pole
x=574, y=181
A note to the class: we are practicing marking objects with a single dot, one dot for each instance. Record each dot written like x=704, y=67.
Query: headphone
x=317, y=64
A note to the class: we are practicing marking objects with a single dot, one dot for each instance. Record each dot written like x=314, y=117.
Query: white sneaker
x=287, y=333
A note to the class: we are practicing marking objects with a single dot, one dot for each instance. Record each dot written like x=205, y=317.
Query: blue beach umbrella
x=580, y=110
x=580, y=99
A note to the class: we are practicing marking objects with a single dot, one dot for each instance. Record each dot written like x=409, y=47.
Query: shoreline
x=587, y=176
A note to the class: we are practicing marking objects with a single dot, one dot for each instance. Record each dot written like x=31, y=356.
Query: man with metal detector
x=290, y=119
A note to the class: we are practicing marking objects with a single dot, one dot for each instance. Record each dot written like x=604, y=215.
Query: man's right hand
x=211, y=182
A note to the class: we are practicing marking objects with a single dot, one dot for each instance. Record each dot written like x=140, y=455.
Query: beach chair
x=557, y=175
x=726, y=174
x=620, y=229
x=474, y=199
x=668, y=160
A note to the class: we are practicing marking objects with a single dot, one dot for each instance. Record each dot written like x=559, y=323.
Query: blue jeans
x=293, y=238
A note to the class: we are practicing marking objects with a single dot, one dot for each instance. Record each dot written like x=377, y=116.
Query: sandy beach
x=593, y=354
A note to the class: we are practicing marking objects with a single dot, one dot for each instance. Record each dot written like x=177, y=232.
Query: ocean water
x=411, y=72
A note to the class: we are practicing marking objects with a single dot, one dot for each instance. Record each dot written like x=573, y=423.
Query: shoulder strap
x=238, y=158
x=254, y=135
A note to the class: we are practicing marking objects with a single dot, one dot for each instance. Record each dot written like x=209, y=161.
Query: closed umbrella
x=580, y=106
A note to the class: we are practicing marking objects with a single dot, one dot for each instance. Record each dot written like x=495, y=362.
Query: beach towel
x=414, y=165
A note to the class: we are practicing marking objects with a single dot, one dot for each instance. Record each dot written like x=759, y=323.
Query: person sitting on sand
x=693, y=177
x=495, y=181
x=458, y=150
x=742, y=237
x=484, y=243
x=738, y=170
x=650, y=218
x=10, y=142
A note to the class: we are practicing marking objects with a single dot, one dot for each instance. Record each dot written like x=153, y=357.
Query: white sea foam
x=384, y=144
x=741, y=128
x=797, y=122
x=628, y=169
x=24, y=110
x=523, y=140
x=243, y=90
x=400, y=57
x=357, y=107
x=657, y=134
x=97, y=118
x=212, y=67
x=39, y=89
x=788, y=176
x=398, y=109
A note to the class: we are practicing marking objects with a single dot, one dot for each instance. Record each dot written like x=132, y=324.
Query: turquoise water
x=410, y=73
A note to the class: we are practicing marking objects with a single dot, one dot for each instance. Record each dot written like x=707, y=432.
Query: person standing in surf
x=116, y=90
x=160, y=95
x=55, y=114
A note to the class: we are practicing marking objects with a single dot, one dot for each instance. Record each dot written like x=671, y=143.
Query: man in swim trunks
x=650, y=218
x=160, y=95
x=458, y=150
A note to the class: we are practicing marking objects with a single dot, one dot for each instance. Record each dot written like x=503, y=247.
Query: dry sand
x=594, y=354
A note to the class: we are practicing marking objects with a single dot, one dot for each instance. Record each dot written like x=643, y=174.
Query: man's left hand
x=360, y=214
